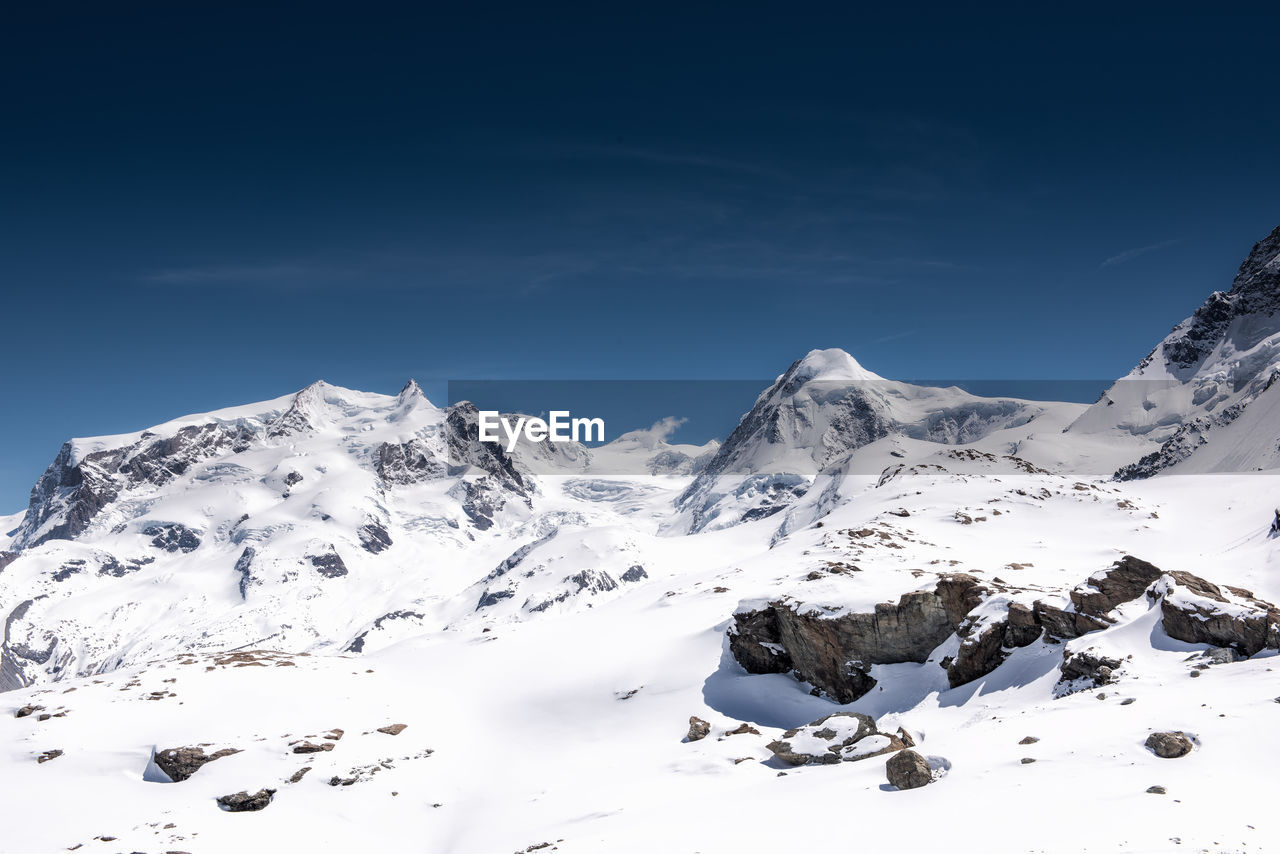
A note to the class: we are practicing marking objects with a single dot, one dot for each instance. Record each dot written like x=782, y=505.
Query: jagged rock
x=179, y=763
x=7, y=558
x=357, y=645
x=310, y=747
x=73, y=491
x=1217, y=655
x=1030, y=739
x=374, y=537
x=408, y=463
x=1274, y=532
x=245, y=802
x=836, y=653
x=173, y=537
x=908, y=770
x=329, y=564
x=296, y=776
x=634, y=573
x=838, y=737
x=1124, y=581
x=1098, y=669
x=47, y=755
x=1169, y=745
x=244, y=566
x=698, y=729
x=1198, y=611
x=393, y=729
x=28, y=710
x=743, y=729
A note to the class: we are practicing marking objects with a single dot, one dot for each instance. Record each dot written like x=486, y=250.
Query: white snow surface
x=556, y=713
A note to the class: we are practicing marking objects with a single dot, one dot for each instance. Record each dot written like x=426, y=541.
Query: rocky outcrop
x=698, y=729
x=374, y=537
x=836, y=653
x=1169, y=745
x=7, y=558
x=908, y=770
x=245, y=802
x=1126, y=580
x=1197, y=611
x=838, y=737
x=329, y=563
x=407, y=463
x=173, y=537
x=179, y=763
x=74, y=489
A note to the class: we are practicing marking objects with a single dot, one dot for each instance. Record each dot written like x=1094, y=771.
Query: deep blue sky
x=204, y=204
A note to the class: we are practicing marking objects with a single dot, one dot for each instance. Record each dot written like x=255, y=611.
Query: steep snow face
x=814, y=416
x=1202, y=377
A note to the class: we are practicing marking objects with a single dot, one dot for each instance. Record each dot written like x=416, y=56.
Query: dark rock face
x=1098, y=669
x=1169, y=745
x=908, y=770
x=836, y=653
x=634, y=573
x=374, y=537
x=172, y=537
x=179, y=763
x=1125, y=581
x=47, y=755
x=244, y=566
x=698, y=729
x=329, y=564
x=71, y=493
x=7, y=558
x=408, y=463
x=245, y=802
x=1192, y=610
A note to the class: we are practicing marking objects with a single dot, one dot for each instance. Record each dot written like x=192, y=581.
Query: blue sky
x=206, y=204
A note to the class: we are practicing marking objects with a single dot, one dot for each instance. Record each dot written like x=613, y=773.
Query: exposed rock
x=357, y=645
x=329, y=564
x=836, y=653
x=25, y=711
x=1030, y=739
x=374, y=537
x=244, y=566
x=635, y=573
x=1155, y=790
x=1125, y=581
x=408, y=463
x=393, y=729
x=173, y=537
x=245, y=802
x=908, y=770
x=1027, y=760
x=1198, y=611
x=7, y=558
x=310, y=747
x=1169, y=745
x=296, y=776
x=179, y=763
x=1098, y=669
x=838, y=737
x=698, y=729
x=743, y=729
x=47, y=755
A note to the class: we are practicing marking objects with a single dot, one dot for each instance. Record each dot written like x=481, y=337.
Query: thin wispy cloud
x=1130, y=254
x=218, y=274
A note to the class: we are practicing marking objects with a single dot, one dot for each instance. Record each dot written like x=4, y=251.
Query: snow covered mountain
x=337, y=621
x=1205, y=399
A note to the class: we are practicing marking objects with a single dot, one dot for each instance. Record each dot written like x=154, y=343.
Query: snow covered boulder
x=838, y=737
x=1126, y=580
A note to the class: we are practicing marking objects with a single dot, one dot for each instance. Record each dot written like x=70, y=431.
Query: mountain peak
x=831, y=365
x=1260, y=271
